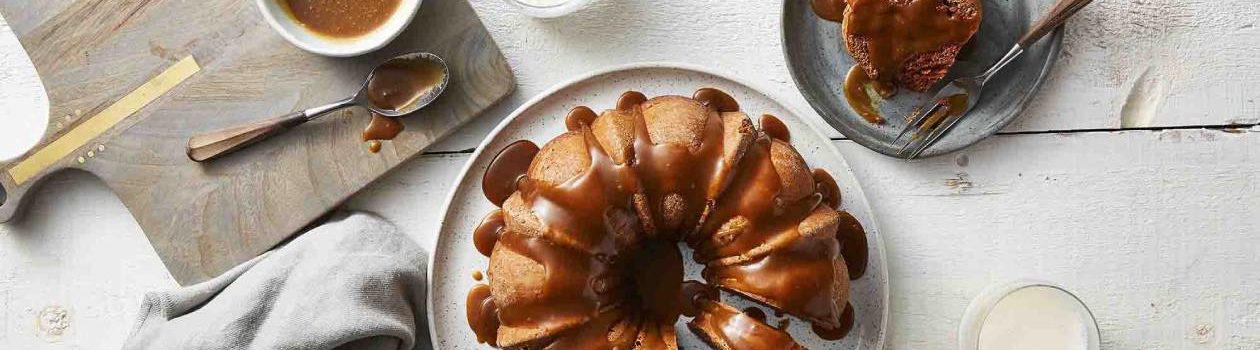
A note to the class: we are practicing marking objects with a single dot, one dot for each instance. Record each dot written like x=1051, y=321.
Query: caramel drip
x=680, y=181
x=836, y=333
x=488, y=231
x=506, y=171
x=952, y=105
x=828, y=188
x=483, y=315
x=741, y=331
x=716, y=99
x=773, y=127
x=852, y=245
x=477, y=276
x=693, y=292
x=380, y=128
x=831, y=10
x=846, y=319
x=630, y=99
x=860, y=100
x=579, y=117
x=897, y=32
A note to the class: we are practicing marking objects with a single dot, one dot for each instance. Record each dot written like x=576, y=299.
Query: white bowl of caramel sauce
x=339, y=28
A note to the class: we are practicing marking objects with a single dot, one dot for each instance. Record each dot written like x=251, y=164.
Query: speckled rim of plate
x=791, y=117
x=970, y=130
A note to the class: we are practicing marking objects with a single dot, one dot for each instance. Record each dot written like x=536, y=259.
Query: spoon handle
x=218, y=143
x=1059, y=13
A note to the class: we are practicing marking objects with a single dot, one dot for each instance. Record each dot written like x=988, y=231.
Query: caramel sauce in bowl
x=339, y=28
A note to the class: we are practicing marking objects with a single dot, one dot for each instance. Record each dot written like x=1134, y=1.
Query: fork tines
x=926, y=128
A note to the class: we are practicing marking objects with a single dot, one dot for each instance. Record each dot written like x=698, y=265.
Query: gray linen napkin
x=352, y=283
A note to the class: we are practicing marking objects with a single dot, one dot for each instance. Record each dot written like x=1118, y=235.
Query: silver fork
x=940, y=113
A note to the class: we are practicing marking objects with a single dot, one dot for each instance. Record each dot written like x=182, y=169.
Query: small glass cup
x=977, y=317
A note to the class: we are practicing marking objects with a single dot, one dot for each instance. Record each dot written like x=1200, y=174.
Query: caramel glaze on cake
x=910, y=43
x=584, y=250
x=727, y=328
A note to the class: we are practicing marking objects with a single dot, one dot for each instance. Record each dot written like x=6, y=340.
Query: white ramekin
x=338, y=47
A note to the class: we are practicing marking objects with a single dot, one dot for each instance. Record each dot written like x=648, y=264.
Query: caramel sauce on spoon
x=399, y=83
x=396, y=85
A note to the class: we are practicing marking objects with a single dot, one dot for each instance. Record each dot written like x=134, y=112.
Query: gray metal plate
x=818, y=61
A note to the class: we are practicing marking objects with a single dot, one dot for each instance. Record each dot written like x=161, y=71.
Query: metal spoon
x=218, y=143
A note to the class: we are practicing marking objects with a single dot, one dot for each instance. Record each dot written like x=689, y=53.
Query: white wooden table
x=1132, y=180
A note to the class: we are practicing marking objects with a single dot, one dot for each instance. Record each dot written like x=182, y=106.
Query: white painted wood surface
x=1155, y=230
x=23, y=103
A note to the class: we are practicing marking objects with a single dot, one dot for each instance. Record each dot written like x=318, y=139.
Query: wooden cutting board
x=187, y=67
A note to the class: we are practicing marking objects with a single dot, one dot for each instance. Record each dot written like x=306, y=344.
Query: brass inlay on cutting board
x=96, y=125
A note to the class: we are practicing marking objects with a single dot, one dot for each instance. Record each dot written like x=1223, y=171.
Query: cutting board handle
x=10, y=198
x=76, y=144
x=19, y=176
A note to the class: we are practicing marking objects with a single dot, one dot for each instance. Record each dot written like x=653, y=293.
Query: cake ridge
x=727, y=328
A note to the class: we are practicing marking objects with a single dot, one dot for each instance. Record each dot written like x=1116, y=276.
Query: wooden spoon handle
x=218, y=143
x=1059, y=13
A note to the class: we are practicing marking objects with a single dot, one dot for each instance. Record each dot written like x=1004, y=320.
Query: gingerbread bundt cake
x=585, y=248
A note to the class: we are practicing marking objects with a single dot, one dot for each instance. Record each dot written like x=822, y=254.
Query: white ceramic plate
x=542, y=118
x=819, y=62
